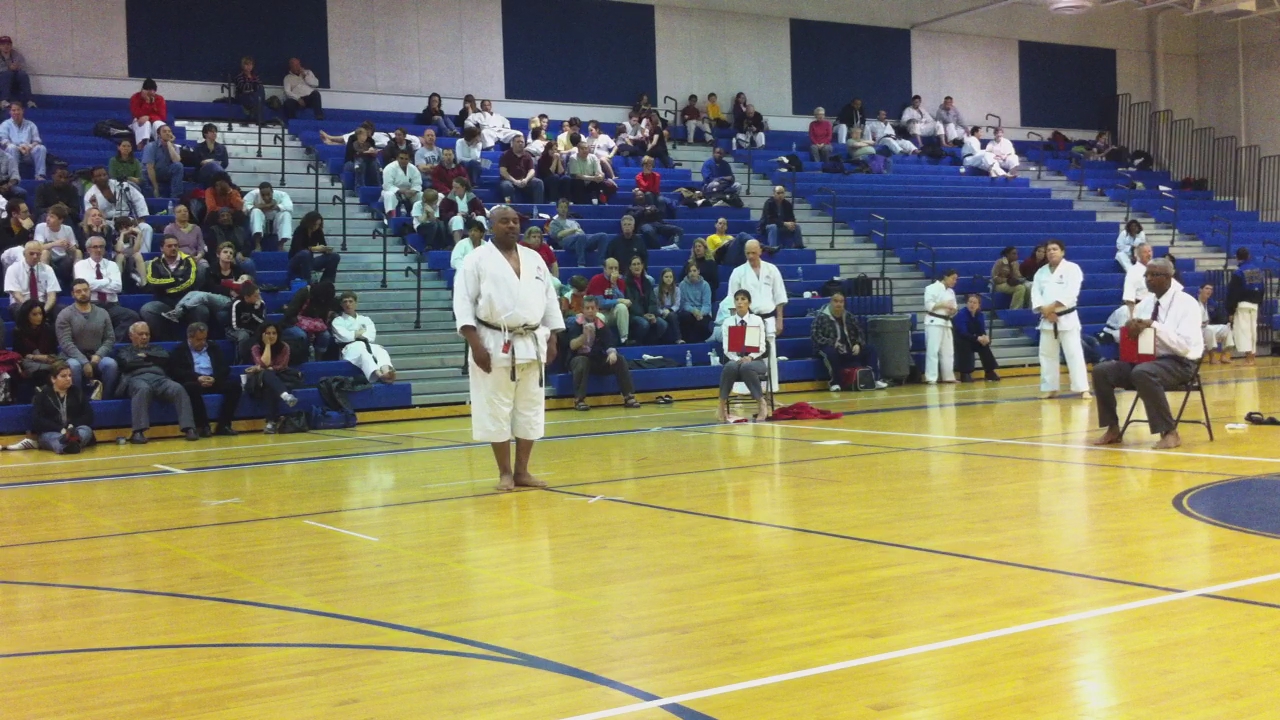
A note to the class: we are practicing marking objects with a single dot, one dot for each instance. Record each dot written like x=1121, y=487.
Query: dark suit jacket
x=182, y=366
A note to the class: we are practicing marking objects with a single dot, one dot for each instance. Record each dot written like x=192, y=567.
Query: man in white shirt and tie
x=31, y=278
x=103, y=277
x=1135, y=282
x=768, y=292
x=939, y=307
x=1175, y=317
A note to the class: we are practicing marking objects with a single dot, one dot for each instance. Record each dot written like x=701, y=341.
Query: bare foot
x=1250, y=360
x=1213, y=359
x=762, y=413
x=723, y=414
x=1169, y=441
x=506, y=483
x=1226, y=358
x=1086, y=395
x=1110, y=437
x=1049, y=395
x=527, y=480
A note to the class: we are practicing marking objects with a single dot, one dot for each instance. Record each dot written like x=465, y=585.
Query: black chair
x=1194, y=385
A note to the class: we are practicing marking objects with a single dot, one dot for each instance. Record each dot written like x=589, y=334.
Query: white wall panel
x=981, y=73
x=81, y=47
x=1134, y=74
x=725, y=53
x=1180, y=91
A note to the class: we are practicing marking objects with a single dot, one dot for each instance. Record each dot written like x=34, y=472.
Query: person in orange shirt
x=222, y=195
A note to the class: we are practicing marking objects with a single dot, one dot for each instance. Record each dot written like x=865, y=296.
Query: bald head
x=752, y=250
x=505, y=223
x=31, y=253
x=140, y=334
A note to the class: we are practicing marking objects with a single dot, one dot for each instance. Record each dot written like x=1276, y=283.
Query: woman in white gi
x=356, y=334
x=973, y=156
x=939, y=307
x=1053, y=294
x=1130, y=237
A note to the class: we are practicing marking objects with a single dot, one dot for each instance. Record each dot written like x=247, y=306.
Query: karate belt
x=509, y=349
x=1068, y=311
x=940, y=316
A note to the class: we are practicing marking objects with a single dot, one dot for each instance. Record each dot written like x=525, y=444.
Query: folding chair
x=739, y=397
x=1191, y=386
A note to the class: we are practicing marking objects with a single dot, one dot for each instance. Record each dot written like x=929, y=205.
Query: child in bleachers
x=574, y=292
x=249, y=91
x=59, y=241
x=248, y=313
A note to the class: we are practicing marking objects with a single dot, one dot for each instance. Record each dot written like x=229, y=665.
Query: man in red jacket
x=615, y=308
x=149, y=113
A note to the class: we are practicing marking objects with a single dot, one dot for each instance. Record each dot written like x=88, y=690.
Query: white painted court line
x=170, y=469
x=222, y=502
x=921, y=649
x=345, y=532
x=832, y=442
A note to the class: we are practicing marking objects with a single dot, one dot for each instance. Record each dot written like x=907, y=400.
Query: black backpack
x=933, y=152
x=859, y=286
x=112, y=130
x=793, y=163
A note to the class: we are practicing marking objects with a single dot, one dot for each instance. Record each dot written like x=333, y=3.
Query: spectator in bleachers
x=248, y=313
x=434, y=114
x=939, y=308
x=1245, y=294
x=59, y=190
x=225, y=230
x=694, y=120
x=950, y=123
x=603, y=147
x=463, y=247
x=627, y=244
x=16, y=230
x=586, y=177
x=401, y=185
x=86, y=338
x=61, y=416
x=1036, y=260
x=651, y=219
x=615, y=308
x=34, y=339
x=301, y=90
x=919, y=123
x=1007, y=279
x=642, y=104
x=537, y=144
x=427, y=223
x=58, y=238
x=723, y=310
x=129, y=250
x=124, y=165
x=880, y=131
x=567, y=232
x=428, y=154
x=669, y=303
x=850, y=121
x=200, y=368
x=778, y=222
x=551, y=170
x=592, y=352
x=143, y=367
x=306, y=321
x=519, y=180
x=268, y=205
x=468, y=107
x=764, y=282
x=468, y=154
x=190, y=236
x=250, y=93
x=650, y=183
x=1003, y=151
x=118, y=200
x=493, y=127
x=15, y=84
x=820, y=136
x=751, y=129
x=541, y=122
x=461, y=207
x=170, y=277
x=213, y=294
x=9, y=179
x=31, y=279
x=715, y=115
x=105, y=285
x=447, y=171
x=837, y=338
x=569, y=128
x=534, y=241
x=94, y=225
x=973, y=156
x=1054, y=294
x=704, y=258
x=308, y=252
x=656, y=144
x=163, y=163
x=399, y=141
x=693, y=316
x=229, y=271
x=357, y=338
x=223, y=194
x=747, y=368
x=970, y=330
x=1215, y=326
x=647, y=327
x=149, y=113
x=632, y=140
x=1130, y=237
x=269, y=375
x=717, y=175
x=1135, y=283
x=739, y=109
x=20, y=139
x=211, y=156
x=361, y=158
x=572, y=295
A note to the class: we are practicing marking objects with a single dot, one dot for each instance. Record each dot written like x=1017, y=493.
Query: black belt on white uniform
x=766, y=316
x=509, y=347
x=940, y=316
x=1060, y=313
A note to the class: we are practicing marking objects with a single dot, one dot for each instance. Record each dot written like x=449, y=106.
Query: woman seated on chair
x=747, y=368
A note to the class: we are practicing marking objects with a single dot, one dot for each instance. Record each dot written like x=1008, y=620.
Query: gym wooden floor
x=958, y=552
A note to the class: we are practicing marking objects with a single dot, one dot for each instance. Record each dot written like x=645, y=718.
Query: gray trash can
x=891, y=336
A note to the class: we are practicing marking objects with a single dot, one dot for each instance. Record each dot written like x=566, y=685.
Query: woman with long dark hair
x=35, y=341
x=309, y=252
x=269, y=376
x=434, y=115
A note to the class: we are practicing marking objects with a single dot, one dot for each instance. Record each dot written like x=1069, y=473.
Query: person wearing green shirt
x=124, y=166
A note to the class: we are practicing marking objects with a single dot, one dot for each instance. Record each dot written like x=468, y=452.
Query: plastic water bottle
x=713, y=359
x=688, y=358
x=170, y=208
x=793, y=147
x=800, y=273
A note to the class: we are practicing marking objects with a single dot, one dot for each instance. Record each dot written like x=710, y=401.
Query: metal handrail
x=675, y=110
x=374, y=235
x=279, y=140
x=259, y=155
x=315, y=166
x=1176, y=204
x=1227, y=260
x=1128, y=200
x=340, y=200
x=229, y=87
x=884, y=252
x=1084, y=178
x=751, y=167
x=834, y=202
x=417, y=272
x=999, y=120
x=1039, y=165
x=933, y=259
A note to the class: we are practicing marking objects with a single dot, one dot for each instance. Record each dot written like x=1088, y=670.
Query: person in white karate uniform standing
x=939, y=307
x=1053, y=295
x=357, y=336
x=506, y=309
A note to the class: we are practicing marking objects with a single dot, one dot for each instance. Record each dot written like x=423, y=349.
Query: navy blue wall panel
x=205, y=41
x=1066, y=86
x=618, y=60
x=831, y=63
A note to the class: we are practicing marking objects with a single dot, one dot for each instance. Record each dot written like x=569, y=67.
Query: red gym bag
x=857, y=378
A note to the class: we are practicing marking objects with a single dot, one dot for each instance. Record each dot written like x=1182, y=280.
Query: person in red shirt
x=820, y=136
x=615, y=308
x=533, y=241
x=149, y=113
x=446, y=172
x=650, y=183
x=222, y=195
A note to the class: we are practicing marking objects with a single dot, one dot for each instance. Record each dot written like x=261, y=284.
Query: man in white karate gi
x=881, y=132
x=494, y=128
x=1054, y=294
x=507, y=311
x=1002, y=149
x=401, y=185
x=950, y=120
x=919, y=123
x=973, y=156
x=939, y=308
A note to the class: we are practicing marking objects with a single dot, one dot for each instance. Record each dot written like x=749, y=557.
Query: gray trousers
x=141, y=389
x=747, y=373
x=1149, y=379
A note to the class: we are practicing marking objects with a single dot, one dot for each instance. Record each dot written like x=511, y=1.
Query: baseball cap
x=6, y=39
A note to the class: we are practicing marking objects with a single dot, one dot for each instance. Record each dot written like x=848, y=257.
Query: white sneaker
x=672, y=246
x=289, y=398
x=31, y=103
x=23, y=444
x=269, y=429
x=880, y=384
x=834, y=388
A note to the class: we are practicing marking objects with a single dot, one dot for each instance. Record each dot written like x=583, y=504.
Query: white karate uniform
x=369, y=359
x=768, y=293
x=488, y=289
x=882, y=134
x=951, y=123
x=973, y=156
x=148, y=130
x=1215, y=335
x=1135, y=284
x=940, y=351
x=1244, y=327
x=494, y=128
x=394, y=179
x=920, y=123
x=1061, y=286
x=281, y=219
x=1003, y=148
x=1125, y=244
x=129, y=203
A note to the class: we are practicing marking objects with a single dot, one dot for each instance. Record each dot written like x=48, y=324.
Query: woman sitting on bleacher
x=1129, y=239
x=433, y=114
x=426, y=221
x=705, y=260
x=190, y=236
x=35, y=341
x=306, y=321
x=647, y=326
x=669, y=302
x=460, y=207
x=694, y=315
x=309, y=252
x=356, y=335
x=747, y=368
x=94, y=225
x=124, y=165
x=270, y=378
x=61, y=416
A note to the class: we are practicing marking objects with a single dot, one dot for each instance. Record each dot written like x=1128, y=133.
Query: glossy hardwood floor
x=959, y=552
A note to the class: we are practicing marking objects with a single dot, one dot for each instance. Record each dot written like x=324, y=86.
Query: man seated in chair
x=1175, y=317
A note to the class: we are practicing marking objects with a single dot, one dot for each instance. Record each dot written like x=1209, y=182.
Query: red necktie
x=97, y=268
x=33, y=287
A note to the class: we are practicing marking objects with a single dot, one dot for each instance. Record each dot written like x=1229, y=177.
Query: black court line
x=914, y=548
x=358, y=438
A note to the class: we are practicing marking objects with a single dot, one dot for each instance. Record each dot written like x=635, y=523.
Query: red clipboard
x=745, y=339
x=1131, y=348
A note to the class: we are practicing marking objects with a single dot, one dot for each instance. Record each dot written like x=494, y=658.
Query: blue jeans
x=581, y=244
x=206, y=173
x=171, y=174
x=444, y=126
x=778, y=236
x=648, y=333
x=659, y=235
x=53, y=440
x=296, y=336
x=107, y=371
x=9, y=79
x=304, y=263
x=531, y=193
x=366, y=172
x=473, y=171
